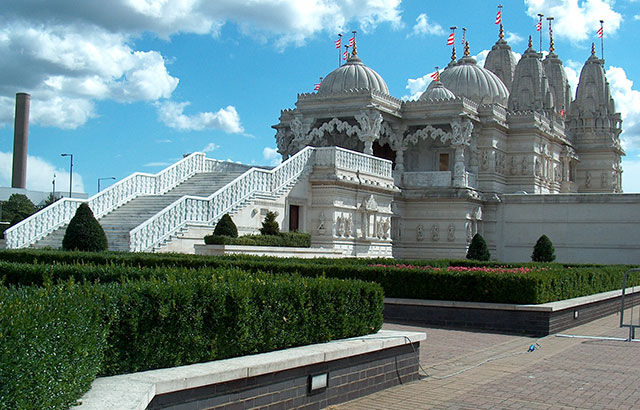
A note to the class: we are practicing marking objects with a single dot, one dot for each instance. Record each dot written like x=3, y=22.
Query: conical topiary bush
x=478, y=249
x=270, y=225
x=543, y=250
x=84, y=232
x=226, y=227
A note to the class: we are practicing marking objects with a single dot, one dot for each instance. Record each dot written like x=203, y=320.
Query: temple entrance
x=384, y=151
x=294, y=218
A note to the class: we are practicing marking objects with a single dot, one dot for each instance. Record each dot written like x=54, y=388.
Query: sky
x=132, y=86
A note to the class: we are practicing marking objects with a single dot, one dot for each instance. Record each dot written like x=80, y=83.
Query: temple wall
x=585, y=228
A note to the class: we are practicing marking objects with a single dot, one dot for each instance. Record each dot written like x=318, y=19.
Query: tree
x=84, y=232
x=226, y=227
x=270, y=225
x=478, y=249
x=543, y=250
x=15, y=209
x=50, y=199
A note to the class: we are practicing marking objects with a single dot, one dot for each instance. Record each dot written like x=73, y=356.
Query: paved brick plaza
x=563, y=373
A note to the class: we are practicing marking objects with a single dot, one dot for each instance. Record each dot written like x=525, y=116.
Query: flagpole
x=551, y=46
x=540, y=15
x=339, y=48
x=602, y=39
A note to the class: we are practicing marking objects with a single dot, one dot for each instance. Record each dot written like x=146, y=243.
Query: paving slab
x=472, y=370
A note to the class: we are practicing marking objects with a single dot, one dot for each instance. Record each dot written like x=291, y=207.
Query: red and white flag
x=435, y=76
x=499, y=17
x=316, y=86
x=345, y=55
x=539, y=25
x=600, y=32
x=561, y=112
x=451, y=39
x=352, y=41
x=338, y=42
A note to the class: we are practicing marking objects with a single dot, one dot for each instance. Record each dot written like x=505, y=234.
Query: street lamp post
x=70, y=171
x=102, y=179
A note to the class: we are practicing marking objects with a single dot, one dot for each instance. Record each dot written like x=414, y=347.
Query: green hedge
x=283, y=239
x=558, y=282
x=51, y=345
x=54, y=339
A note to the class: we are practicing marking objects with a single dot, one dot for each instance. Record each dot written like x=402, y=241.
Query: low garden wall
x=317, y=376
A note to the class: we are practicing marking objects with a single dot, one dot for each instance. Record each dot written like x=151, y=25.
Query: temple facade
x=475, y=139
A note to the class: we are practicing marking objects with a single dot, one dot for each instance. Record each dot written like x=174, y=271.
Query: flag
x=352, y=41
x=539, y=25
x=450, y=40
x=345, y=55
x=562, y=112
x=600, y=32
x=435, y=76
x=339, y=42
x=316, y=86
x=464, y=37
x=499, y=17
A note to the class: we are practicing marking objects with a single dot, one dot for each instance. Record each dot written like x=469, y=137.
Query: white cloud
x=481, y=57
x=636, y=17
x=577, y=20
x=416, y=86
x=69, y=54
x=631, y=169
x=271, y=155
x=225, y=119
x=40, y=175
x=572, y=69
x=628, y=104
x=210, y=147
x=513, y=38
x=423, y=27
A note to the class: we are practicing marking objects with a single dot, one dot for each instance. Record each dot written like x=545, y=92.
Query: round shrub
x=543, y=250
x=270, y=225
x=478, y=249
x=226, y=227
x=84, y=232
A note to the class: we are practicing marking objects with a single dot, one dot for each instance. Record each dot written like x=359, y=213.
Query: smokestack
x=20, y=141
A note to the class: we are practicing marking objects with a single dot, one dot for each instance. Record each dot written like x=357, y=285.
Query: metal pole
x=540, y=15
x=602, y=39
x=340, y=50
x=70, y=172
x=101, y=179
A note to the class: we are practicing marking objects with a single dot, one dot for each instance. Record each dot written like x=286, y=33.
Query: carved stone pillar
x=400, y=160
x=370, y=124
x=459, y=170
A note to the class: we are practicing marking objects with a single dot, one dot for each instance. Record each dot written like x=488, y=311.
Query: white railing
x=60, y=212
x=354, y=161
x=191, y=209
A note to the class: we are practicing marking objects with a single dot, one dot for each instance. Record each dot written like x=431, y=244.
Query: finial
x=551, y=46
x=466, y=49
x=501, y=35
x=354, y=53
x=453, y=54
x=437, y=73
x=593, y=49
x=499, y=21
x=530, y=42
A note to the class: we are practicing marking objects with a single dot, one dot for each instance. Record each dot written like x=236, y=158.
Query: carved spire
x=530, y=42
x=453, y=54
x=354, y=53
x=501, y=35
x=466, y=49
x=593, y=49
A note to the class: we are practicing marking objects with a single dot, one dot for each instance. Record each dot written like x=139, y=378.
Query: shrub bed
x=283, y=239
x=51, y=345
x=54, y=339
x=417, y=279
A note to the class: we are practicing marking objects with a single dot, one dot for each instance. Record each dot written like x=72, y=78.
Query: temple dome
x=352, y=75
x=467, y=79
x=437, y=92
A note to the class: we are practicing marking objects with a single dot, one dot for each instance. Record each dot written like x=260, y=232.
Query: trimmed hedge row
x=55, y=339
x=283, y=239
x=557, y=282
x=51, y=346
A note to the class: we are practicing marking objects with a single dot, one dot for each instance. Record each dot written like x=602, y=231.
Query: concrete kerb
x=136, y=390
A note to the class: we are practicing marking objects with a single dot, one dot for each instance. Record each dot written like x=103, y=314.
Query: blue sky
x=133, y=86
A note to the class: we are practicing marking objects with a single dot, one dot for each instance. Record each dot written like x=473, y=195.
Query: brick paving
x=562, y=373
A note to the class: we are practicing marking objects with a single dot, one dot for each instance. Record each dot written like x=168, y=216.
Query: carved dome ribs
x=353, y=75
x=467, y=79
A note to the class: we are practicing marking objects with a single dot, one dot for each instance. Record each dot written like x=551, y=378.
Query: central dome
x=352, y=75
x=467, y=79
